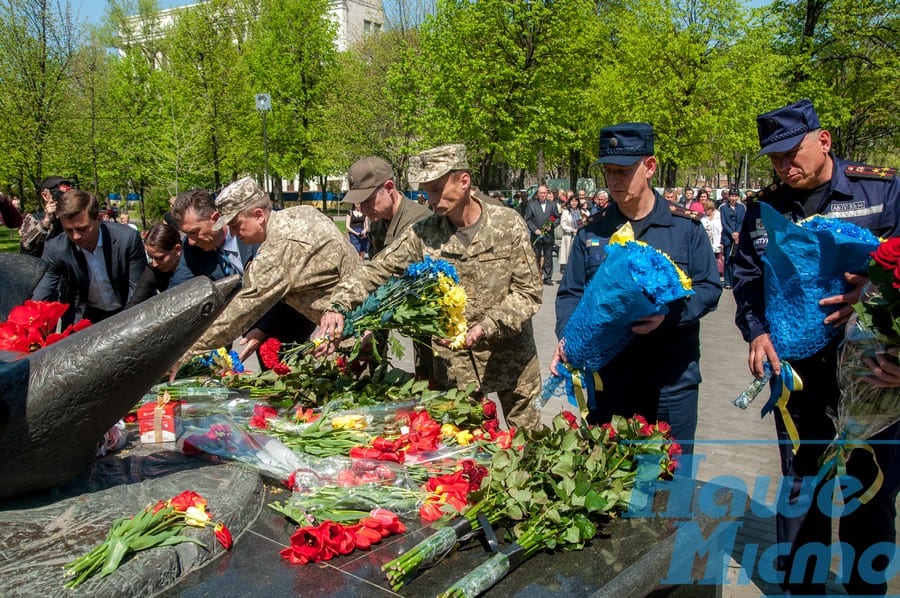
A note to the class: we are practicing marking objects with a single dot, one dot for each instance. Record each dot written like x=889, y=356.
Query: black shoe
x=548, y=282
x=727, y=287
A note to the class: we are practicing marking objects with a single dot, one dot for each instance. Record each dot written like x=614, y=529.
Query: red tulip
x=223, y=535
x=186, y=499
x=307, y=546
x=337, y=537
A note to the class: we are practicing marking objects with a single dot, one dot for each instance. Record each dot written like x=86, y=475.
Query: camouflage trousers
x=518, y=403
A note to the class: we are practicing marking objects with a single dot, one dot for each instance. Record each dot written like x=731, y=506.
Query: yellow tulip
x=464, y=438
x=449, y=430
x=196, y=517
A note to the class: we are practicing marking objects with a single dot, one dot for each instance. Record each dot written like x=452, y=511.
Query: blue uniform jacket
x=872, y=203
x=732, y=220
x=666, y=359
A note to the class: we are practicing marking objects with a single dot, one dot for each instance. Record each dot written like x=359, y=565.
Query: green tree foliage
x=845, y=56
x=504, y=76
x=695, y=69
x=38, y=44
x=294, y=60
x=206, y=68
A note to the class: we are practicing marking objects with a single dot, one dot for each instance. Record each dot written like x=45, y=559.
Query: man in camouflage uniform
x=301, y=257
x=489, y=247
x=372, y=186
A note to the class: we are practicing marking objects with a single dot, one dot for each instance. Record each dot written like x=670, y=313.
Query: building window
x=371, y=27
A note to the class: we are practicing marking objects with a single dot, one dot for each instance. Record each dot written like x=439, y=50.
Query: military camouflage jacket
x=303, y=257
x=503, y=287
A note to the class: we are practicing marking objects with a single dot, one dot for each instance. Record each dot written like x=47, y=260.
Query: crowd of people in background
x=299, y=272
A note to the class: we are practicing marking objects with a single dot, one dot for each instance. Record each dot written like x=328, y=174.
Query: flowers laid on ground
x=634, y=281
x=550, y=489
x=157, y=525
x=865, y=408
x=33, y=324
x=324, y=541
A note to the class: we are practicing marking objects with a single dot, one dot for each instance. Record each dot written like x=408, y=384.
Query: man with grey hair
x=490, y=249
x=301, y=257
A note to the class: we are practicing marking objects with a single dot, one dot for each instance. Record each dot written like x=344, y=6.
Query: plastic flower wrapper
x=634, y=281
x=802, y=264
x=865, y=410
x=317, y=475
x=220, y=437
x=426, y=300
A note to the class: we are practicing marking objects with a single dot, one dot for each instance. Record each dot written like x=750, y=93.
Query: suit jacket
x=67, y=278
x=535, y=217
x=206, y=263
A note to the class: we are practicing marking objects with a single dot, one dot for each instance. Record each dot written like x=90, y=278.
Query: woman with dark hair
x=697, y=204
x=163, y=247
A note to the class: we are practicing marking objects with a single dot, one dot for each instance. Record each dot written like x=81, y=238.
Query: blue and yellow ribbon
x=782, y=386
x=584, y=390
x=838, y=461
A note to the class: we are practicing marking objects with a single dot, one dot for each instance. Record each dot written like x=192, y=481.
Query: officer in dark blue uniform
x=814, y=181
x=657, y=374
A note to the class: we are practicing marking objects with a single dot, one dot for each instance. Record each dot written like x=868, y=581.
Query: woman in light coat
x=569, y=222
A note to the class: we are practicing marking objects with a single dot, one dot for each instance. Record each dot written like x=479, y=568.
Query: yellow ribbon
x=581, y=390
x=790, y=381
x=842, y=455
x=161, y=401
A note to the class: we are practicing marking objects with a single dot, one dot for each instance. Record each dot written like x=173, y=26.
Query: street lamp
x=263, y=105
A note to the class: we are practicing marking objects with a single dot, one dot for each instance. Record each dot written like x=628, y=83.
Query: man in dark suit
x=541, y=216
x=732, y=214
x=94, y=267
x=214, y=252
x=207, y=252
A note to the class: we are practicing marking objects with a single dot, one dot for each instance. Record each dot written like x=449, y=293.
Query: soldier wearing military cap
x=812, y=180
x=301, y=257
x=657, y=374
x=490, y=249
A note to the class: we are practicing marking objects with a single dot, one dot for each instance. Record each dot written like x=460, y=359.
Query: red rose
x=489, y=408
x=887, y=254
x=571, y=418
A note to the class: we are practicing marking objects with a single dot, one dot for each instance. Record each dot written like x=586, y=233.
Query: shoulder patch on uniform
x=864, y=171
x=762, y=193
x=678, y=210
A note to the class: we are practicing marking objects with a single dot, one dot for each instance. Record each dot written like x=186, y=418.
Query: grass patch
x=9, y=240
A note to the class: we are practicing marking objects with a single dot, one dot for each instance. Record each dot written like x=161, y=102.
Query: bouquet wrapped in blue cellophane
x=634, y=281
x=803, y=264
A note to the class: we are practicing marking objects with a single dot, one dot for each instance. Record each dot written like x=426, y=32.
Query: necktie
x=225, y=263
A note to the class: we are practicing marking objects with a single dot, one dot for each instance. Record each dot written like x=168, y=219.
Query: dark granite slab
x=42, y=532
x=629, y=558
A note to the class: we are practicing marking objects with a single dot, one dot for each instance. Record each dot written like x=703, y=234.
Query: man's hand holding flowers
x=884, y=368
